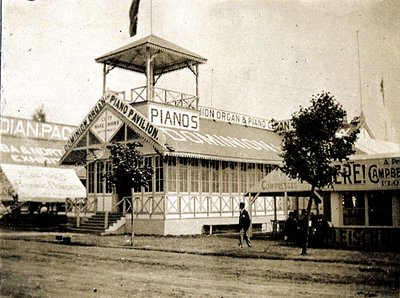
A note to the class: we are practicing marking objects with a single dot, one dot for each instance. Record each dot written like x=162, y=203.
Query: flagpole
x=151, y=16
x=359, y=78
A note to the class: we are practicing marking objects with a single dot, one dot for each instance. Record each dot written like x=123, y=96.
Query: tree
x=128, y=169
x=39, y=114
x=309, y=149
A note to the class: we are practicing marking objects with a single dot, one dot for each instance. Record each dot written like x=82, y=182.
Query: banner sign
x=219, y=140
x=369, y=174
x=106, y=126
x=30, y=154
x=34, y=130
x=174, y=117
x=234, y=118
x=87, y=121
x=131, y=114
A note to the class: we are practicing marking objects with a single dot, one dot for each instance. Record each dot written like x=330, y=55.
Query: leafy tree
x=128, y=170
x=309, y=149
x=39, y=114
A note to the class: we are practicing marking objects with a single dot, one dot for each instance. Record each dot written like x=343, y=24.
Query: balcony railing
x=164, y=96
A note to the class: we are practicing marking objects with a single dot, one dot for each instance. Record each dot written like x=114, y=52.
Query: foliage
x=128, y=170
x=309, y=149
x=39, y=114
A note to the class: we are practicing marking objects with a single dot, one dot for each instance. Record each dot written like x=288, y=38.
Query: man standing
x=244, y=224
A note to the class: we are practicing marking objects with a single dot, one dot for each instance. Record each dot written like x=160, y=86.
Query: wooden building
x=204, y=159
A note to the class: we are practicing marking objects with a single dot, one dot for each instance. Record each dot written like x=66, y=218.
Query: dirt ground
x=37, y=265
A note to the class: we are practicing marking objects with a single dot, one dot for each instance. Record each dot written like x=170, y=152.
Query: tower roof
x=167, y=56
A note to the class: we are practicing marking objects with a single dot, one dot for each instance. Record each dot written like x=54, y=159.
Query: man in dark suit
x=244, y=224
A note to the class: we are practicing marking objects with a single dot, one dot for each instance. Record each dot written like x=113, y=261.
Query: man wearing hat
x=244, y=224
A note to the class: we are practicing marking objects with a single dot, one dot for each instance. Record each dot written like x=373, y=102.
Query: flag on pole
x=133, y=17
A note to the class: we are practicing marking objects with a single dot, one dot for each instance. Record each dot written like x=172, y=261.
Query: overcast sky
x=265, y=57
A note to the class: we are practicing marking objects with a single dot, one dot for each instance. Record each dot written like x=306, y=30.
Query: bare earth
x=35, y=265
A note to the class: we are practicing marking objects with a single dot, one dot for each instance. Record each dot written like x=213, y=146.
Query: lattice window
x=172, y=174
x=183, y=174
x=205, y=176
x=215, y=186
x=159, y=174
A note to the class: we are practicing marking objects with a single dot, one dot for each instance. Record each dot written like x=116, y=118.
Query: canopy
x=167, y=56
x=224, y=141
x=43, y=184
x=277, y=182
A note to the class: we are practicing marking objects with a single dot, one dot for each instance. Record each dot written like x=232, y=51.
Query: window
x=172, y=174
x=353, y=208
x=91, y=178
x=225, y=176
x=380, y=208
x=215, y=176
x=108, y=169
x=148, y=161
x=183, y=174
x=235, y=177
x=99, y=176
x=194, y=175
x=251, y=172
x=205, y=176
x=159, y=174
x=243, y=177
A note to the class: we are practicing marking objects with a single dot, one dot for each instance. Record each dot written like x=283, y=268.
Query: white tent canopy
x=43, y=184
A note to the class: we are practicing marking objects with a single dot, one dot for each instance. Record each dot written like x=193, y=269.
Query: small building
x=363, y=206
x=204, y=159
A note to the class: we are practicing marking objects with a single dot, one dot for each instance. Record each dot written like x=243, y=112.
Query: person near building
x=291, y=228
x=244, y=225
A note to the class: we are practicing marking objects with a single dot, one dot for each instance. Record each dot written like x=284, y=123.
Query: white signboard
x=32, y=129
x=235, y=118
x=174, y=117
x=106, y=126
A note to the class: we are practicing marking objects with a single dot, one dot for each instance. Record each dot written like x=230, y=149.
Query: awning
x=277, y=183
x=43, y=184
x=224, y=141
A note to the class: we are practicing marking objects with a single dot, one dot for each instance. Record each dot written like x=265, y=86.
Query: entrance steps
x=98, y=224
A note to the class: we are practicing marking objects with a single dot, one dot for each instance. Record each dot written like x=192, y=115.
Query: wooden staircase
x=96, y=224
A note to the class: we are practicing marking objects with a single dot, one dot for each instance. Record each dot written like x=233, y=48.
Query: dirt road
x=42, y=269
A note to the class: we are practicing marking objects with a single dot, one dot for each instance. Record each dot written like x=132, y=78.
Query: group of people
x=296, y=226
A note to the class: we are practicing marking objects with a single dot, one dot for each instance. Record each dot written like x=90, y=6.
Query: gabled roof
x=167, y=56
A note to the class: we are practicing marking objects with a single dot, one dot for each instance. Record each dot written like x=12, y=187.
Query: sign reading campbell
x=369, y=174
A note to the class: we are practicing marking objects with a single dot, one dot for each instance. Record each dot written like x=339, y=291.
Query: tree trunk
x=307, y=229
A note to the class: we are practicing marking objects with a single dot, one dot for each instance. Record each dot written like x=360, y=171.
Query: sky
x=265, y=58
